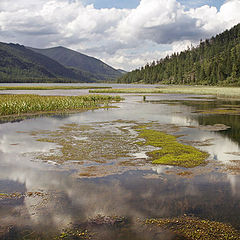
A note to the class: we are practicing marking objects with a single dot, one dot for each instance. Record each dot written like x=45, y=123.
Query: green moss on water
x=172, y=152
x=77, y=234
x=107, y=148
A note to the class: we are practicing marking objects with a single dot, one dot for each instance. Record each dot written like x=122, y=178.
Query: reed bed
x=29, y=104
x=49, y=87
x=233, y=92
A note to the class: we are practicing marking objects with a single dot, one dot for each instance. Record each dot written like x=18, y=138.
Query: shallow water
x=56, y=196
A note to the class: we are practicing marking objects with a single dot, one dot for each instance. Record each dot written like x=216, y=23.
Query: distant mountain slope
x=20, y=64
x=215, y=61
x=70, y=58
x=122, y=71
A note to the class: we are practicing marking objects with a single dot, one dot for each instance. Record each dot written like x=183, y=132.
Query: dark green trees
x=215, y=61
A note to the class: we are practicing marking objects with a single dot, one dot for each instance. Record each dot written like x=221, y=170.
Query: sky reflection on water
x=129, y=194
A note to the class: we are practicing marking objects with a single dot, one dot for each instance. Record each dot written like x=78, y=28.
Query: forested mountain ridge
x=79, y=61
x=20, y=64
x=215, y=61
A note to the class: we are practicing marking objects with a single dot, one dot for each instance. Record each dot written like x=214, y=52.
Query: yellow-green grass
x=233, y=92
x=127, y=90
x=29, y=104
x=49, y=87
x=193, y=228
x=171, y=152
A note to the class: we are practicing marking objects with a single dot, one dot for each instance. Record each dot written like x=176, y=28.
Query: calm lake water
x=55, y=195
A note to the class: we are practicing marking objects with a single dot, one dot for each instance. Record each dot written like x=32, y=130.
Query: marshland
x=120, y=165
x=229, y=92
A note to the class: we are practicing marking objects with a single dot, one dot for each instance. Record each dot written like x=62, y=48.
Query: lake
x=86, y=174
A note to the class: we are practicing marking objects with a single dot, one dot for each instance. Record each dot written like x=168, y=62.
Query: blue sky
x=114, y=3
x=134, y=3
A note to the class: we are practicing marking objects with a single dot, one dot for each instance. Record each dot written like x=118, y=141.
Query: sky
x=125, y=34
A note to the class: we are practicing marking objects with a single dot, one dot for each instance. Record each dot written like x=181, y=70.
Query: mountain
x=20, y=64
x=122, y=71
x=79, y=61
x=215, y=61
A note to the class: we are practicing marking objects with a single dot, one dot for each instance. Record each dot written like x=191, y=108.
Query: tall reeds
x=21, y=104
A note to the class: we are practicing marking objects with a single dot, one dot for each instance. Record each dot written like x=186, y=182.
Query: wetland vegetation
x=30, y=104
x=158, y=169
x=226, y=92
x=106, y=148
x=171, y=151
x=194, y=228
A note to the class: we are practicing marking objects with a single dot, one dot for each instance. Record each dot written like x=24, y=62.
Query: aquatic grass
x=194, y=228
x=233, y=92
x=50, y=87
x=28, y=104
x=127, y=90
x=171, y=152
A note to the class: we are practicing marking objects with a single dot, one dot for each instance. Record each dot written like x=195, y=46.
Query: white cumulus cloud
x=117, y=36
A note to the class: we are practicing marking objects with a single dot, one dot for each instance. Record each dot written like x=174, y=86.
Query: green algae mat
x=172, y=152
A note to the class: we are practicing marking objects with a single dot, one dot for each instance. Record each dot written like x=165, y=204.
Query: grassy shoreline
x=232, y=92
x=2, y=88
x=17, y=105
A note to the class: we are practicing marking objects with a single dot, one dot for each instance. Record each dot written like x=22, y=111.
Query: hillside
x=19, y=64
x=215, y=61
x=79, y=61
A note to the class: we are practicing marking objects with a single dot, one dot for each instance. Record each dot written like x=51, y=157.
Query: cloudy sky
x=124, y=33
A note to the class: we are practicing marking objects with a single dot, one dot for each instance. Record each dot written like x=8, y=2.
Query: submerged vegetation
x=232, y=92
x=172, y=152
x=103, y=149
x=30, y=104
x=49, y=87
x=194, y=228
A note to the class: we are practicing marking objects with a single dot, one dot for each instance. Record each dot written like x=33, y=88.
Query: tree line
x=215, y=61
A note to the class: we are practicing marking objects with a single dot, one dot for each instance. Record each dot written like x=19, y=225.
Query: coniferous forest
x=215, y=61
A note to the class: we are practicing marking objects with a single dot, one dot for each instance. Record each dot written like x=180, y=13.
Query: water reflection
x=132, y=194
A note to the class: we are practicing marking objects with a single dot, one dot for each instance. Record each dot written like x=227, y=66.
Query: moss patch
x=74, y=233
x=194, y=228
x=107, y=148
x=172, y=152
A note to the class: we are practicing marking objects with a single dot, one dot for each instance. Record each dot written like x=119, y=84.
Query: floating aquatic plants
x=102, y=149
x=194, y=228
x=18, y=195
x=76, y=234
x=28, y=104
x=171, y=152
